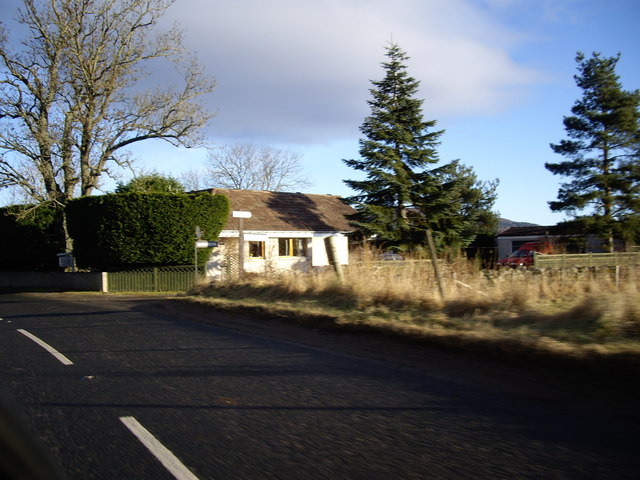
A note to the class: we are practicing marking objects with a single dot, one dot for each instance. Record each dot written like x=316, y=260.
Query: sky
x=496, y=75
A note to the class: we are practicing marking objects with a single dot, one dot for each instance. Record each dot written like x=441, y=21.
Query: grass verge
x=582, y=317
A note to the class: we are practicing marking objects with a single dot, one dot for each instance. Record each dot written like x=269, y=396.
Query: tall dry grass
x=579, y=307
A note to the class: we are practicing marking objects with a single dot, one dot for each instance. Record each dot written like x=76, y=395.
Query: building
x=280, y=232
x=509, y=240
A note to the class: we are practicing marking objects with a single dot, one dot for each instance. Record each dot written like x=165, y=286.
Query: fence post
x=155, y=279
x=434, y=261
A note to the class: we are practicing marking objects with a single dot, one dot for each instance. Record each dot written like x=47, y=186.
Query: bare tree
x=71, y=97
x=193, y=179
x=243, y=166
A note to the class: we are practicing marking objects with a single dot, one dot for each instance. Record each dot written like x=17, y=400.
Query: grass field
x=576, y=313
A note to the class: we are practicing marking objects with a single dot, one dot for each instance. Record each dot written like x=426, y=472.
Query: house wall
x=323, y=248
x=224, y=259
x=592, y=244
x=508, y=245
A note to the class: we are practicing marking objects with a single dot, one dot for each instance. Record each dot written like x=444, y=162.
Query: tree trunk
x=64, y=240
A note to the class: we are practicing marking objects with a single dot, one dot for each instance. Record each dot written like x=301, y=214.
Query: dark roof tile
x=281, y=211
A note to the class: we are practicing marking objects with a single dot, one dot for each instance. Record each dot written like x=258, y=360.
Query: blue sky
x=497, y=75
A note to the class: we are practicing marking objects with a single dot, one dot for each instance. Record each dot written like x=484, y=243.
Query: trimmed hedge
x=29, y=241
x=143, y=229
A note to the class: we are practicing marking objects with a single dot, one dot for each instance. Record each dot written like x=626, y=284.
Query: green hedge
x=143, y=229
x=28, y=238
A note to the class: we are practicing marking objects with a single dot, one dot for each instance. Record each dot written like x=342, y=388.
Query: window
x=292, y=247
x=256, y=249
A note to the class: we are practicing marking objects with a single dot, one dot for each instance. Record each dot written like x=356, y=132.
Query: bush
x=28, y=240
x=137, y=229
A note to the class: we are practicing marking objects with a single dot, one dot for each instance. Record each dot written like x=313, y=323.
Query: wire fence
x=155, y=279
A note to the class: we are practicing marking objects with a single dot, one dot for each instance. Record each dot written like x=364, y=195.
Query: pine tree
x=398, y=143
x=602, y=151
x=403, y=193
x=455, y=205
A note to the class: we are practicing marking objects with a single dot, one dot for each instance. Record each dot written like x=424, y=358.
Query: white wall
x=320, y=250
x=317, y=254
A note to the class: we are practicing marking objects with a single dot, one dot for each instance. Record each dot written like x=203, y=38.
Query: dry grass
x=569, y=312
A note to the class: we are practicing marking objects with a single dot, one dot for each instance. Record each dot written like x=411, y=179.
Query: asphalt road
x=132, y=388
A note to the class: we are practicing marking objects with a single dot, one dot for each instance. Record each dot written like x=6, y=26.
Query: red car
x=523, y=256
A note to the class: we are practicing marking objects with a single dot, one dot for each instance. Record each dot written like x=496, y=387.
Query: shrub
x=136, y=229
x=28, y=240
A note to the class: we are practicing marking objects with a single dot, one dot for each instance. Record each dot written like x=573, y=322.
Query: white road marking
x=64, y=360
x=162, y=453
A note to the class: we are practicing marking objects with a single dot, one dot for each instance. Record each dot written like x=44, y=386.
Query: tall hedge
x=28, y=239
x=142, y=229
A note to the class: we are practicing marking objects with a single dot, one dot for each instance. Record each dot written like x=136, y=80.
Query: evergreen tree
x=151, y=183
x=398, y=143
x=602, y=151
x=455, y=205
x=401, y=196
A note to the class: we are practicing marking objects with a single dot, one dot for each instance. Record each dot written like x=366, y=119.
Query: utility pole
x=434, y=261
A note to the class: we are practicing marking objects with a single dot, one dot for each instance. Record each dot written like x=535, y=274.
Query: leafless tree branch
x=71, y=98
x=244, y=166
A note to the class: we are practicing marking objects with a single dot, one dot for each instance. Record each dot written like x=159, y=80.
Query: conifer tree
x=398, y=142
x=151, y=183
x=602, y=153
x=403, y=191
x=455, y=205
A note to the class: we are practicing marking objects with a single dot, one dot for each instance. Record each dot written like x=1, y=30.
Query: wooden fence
x=587, y=260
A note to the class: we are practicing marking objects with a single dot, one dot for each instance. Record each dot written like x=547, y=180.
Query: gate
x=157, y=279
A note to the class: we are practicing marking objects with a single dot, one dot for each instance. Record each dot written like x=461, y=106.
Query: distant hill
x=504, y=223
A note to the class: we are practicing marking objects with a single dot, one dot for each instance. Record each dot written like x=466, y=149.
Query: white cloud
x=300, y=70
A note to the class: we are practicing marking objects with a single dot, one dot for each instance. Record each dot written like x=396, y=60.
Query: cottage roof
x=281, y=211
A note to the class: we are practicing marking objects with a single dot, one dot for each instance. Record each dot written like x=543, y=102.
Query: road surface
x=116, y=387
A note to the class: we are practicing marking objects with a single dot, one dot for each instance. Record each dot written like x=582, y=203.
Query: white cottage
x=284, y=232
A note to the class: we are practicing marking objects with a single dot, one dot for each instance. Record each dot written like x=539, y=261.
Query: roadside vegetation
x=580, y=314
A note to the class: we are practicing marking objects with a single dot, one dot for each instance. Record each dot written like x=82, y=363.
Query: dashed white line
x=162, y=453
x=64, y=360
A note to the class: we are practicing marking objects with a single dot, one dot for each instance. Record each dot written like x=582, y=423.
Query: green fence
x=159, y=279
x=587, y=260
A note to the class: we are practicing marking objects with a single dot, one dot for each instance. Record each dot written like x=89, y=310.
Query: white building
x=284, y=232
